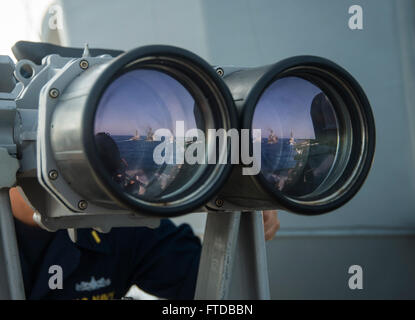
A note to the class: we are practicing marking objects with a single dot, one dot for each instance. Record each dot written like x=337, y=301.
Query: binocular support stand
x=11, y=279
x=233, y=264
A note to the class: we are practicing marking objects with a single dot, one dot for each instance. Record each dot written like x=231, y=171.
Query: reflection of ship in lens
x=292, y=140
x=136, y=137
x=272, y=138
x=149, y=136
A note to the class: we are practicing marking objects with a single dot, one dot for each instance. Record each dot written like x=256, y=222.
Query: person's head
x=108, y=152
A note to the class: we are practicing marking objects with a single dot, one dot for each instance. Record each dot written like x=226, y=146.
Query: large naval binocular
x=103, y=137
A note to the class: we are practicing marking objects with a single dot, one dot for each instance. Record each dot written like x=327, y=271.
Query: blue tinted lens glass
x=131, y=110
x=299, y=136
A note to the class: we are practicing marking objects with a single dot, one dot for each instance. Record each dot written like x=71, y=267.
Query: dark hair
x=108, y=152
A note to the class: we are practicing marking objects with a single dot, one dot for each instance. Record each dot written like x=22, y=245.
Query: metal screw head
x=82, y=204
x=54, y=93
x=220, y=71
x=219, y=202
x=53, y=174
x=84, y=64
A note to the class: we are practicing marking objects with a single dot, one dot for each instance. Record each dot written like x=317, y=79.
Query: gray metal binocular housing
x=82, y=131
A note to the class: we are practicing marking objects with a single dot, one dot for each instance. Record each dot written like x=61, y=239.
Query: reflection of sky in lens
x=298, y=166
x=143, y=99
x=285, y=107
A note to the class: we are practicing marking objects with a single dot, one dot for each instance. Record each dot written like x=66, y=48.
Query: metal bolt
x=54, y=93
x=220, y=71
x=219, y=202
x=84, y=64
x=53, y=174
x=82, y=204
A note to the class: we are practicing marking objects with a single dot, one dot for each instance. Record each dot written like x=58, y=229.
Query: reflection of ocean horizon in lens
x=132, y=108
x=299, y=140
x=149, y=177
x=138, y=152
x=281, y=153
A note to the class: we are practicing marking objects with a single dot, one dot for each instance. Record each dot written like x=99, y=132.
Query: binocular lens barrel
x=316, y=132
x=142, y=113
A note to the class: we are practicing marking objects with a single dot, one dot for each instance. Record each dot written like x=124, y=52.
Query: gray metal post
x=233, y=264
x=11, y=280
x=218, y=252
x=250, y=271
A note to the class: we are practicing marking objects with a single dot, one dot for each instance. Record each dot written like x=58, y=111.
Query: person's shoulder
x=124, y=237
x=127, y=235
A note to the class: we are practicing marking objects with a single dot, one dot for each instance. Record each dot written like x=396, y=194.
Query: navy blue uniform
x=162, y=261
